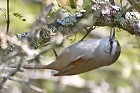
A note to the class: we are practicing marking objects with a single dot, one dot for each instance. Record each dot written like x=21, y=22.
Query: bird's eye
x=111, y=43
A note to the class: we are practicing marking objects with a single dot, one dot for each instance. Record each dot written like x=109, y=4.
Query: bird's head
x=112, y=46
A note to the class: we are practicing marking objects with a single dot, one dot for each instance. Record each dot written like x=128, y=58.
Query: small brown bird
x=86, y=55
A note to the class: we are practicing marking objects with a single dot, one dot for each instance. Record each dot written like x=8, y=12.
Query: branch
x=99, y=17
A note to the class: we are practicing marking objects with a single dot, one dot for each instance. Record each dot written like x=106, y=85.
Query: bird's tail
x=52, y=66
x=38, y=66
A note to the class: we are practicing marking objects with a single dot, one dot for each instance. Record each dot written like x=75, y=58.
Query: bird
x=86, y=55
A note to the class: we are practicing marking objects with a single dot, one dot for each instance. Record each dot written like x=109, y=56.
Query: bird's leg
x=112, y=33
x=88, y=30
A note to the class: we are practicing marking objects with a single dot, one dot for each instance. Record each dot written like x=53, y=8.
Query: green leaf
x=19, y=16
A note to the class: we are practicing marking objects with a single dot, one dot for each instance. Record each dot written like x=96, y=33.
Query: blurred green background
x=121, y=77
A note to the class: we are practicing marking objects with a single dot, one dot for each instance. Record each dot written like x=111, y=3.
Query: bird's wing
x=69, y=54
x=71, y=69
x=75, y=53
x=77, y=50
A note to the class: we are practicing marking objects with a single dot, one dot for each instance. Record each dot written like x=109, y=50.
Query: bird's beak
x=112, y=37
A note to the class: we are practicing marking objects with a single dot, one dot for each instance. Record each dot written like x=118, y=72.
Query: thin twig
x=28, y=84
x=44, y=50
x=135, y=3
x=127, y=10
x=42, y=18
x=87, y=32
x=11, y=73
x=8, y=17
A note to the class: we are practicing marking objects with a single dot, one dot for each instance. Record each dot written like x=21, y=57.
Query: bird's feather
x=70, y=69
